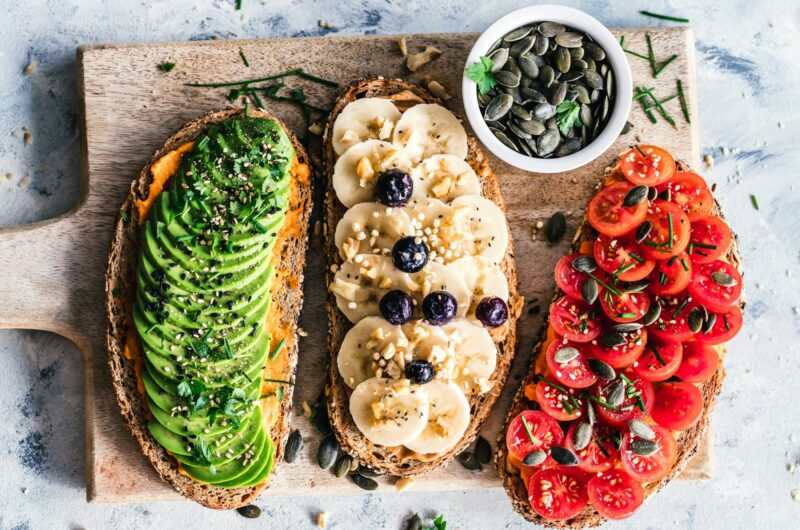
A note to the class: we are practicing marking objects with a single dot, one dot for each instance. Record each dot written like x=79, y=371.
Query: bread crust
x=120, y=275
x=351, y=440
x=688, y=442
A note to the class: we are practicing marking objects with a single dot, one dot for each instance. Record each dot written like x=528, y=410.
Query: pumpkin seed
x=577, y=53
x=584, y=264
x=293, y=446
x=363, y=482
x=605, y=106
x=469, y=461
x=517, y=34
x=506, y=78
x=551, y=29
x=513, y=67
x=534, y=458
x=320, y=417
x=583, y=436
x=586, y=115
x=571, y=76
x=563, y=60
x=547, y=75
x=494, y=46
x=612, y=340
x=505, y=140
x=342, y=466
x=569, y=146
x=557, y=224
x=545, y=111
x=590, y=64
x=627, y=327
x=589, y=290
x=636, y=287
x=635, y=195
x=566, y=354
x=521, y=112
x=708, y=323
x=534, y=127
x=644, y=447
x=593, y=79
x=499, y=58
x=541, y=45
x=643, y=230
x=559, y=95
x=547, y=143
x=483, y=99
x=251, y=511
x=594, y=51
x=579, y=65
x=328, y=450
x=652, y=314
x=563, y=456
x=569, y=39
x=625, y=130
x=528, y=66
x=617, y=394
x=695, y=320
x=723, y=279
x=496, y=125
x=415, y=523
x=591, y=415
x=483, y=451
x=641, y=429
x=533, y=95
x=368, y=472
x=609, y=76
x=525, y=147
x=518, y=132
x=666, y=194
x=601, y=369
x=498, y=107
x=523, y=45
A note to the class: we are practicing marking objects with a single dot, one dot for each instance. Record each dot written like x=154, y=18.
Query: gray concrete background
x=749, y=122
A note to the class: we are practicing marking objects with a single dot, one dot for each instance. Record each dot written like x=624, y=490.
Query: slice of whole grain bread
x=120, y=284
x=396, y=460
x=688, y=441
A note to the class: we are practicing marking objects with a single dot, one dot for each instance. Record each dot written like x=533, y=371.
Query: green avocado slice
x=232, y=469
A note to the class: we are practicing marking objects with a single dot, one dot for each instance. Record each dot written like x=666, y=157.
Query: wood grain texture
x=54, y=270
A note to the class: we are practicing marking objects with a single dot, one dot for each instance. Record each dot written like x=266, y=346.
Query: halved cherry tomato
x=607, y=214
x=726, y=326
x=624, y=307
x=689, y=191
x=575, y=373
x=655, y=167
x=673, y=324
x=700, y=362
x=600, y=455
x=631, y=408
x=671, y=276
x=545, y=432
x=558, y=493
x=670, y=233
x=705, y=289
x=710, y=237
x=661, y=367
x=561, y=405
x=677, y=405
x=615, y=254
x=574, y=319
x=568, y=279
x=652, y=467
x=624, y=355
x=614, y=494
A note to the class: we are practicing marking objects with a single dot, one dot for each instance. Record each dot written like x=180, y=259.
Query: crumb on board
x=418, y=60
x=315, y=129
x=796, y=495
x=403, y=45
x=31, y=68
x=403, y=484
x=322, y=519
x=438, y=90
x=324, y=24
x=27, y=137
x=709, y=160
x=306, y=409
x=302, y=332
x=24, y=181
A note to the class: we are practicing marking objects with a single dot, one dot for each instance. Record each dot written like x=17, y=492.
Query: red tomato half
x=624, y=307
x=677, y=405
x=673, y=324
x=574, y=319
x=671, y=276
x=661, y=367
x=667, y=220
x=594, y=458
x=558, y=493
x=652, y=467
x=705, y=289
x=625, y=355
x=575, y=373
x=655, y=167
x=700, y=362
x=607, y=214
x=726, y=326
x=561, y=405
x=615, y=254
x=689, y=191
x=545, y=432
x=630, y=409
x=710, y=237
x=614, y=494
x=568, y=279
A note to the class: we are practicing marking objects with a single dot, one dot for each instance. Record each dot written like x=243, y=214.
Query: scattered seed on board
x=328, y=450
x=251, y=511
x=415, y=523
x=342, y=466
x=483, y=451
x=363, y=482
x=469, y=461
x=555, y=227
x=294, y=444
x=368, y=472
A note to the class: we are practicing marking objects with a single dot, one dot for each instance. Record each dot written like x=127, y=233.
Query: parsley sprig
x=481, y=72
x=568, y=116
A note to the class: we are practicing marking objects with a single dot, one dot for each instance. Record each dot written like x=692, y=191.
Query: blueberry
x=410, y=254
x=492, y=312
x=394, y=187
x=396, y=307
x=419, y=372
x=439, y=307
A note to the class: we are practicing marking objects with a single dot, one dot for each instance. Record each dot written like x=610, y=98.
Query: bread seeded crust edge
x=688, y=441
x=120, y=279
x=352, y=441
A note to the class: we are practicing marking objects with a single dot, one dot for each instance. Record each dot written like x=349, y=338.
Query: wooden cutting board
x=53, y=271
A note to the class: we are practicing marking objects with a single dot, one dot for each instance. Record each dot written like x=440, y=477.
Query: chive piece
x=664, y=17
x=754, y=200
x=654, y=244
x=247, y=108
x=650, y=55
x=670, y=98
x=627, y=315
x=704, y=245
x=671, y=260
x=527, y=429
x=238, y=5
x=645, y=106
x=567, y=407
x=244, y=58
x=663, y=278
x=151, y=328
x=637, y=258
x=228, y=349
x=277, y=350
x=281, y=381
x=640, y=403
x=603, y=284
x=602, y=402
x=725, y=321
x=690, y=248
x=625, y=378
x=261, y=228
x=684, y=105
x=680, y=307
x=602, y=449
x=657, y=354
x=166, y=67
x=684, y=264
x=660, y=107
x=623, y=269
x=639, y=55
x=622, y=40
x=671, y=235
x=289, y=73
x=664, y=65
x=639, y=149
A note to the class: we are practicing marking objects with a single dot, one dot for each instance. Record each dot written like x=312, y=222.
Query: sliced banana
x=356, y=171
x=364, y=119
x=429, y=129
x=482, y=277
x=371, y=227
x=478, y=228
x=388, y=412
x=448, y=418
x=444, y=177
x=372, y=345
x=475, y=356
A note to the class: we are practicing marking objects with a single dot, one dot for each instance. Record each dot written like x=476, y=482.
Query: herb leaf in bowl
x=568, y=116
x=481, y=72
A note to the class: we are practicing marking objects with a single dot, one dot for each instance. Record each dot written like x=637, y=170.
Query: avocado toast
x=203, y=295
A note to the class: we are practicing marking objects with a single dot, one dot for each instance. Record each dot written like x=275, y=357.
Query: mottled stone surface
x=747, y=84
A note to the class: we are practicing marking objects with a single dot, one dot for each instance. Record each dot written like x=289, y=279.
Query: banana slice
x=475, y=356
x=429, y=129
x=448, y=418
x=444, y=177
x=477, y=228
x=360, y=284
x=364, y=119
x=482, y=277
x=369, y=228
x=389, y=412
x=372, y=347
x=356, y=171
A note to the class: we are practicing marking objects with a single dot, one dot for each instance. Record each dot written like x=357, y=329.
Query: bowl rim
x=622, y=75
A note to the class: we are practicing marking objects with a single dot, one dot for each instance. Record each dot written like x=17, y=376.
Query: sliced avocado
x=257, y=473
x=231, y=469
x=169, y=440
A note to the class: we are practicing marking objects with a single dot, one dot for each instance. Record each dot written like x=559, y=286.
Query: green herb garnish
x=481, y=72
x=166, y=67
x=754, y=201
x=277, y=350
x=664, y=17
x=244, y=58
x=527, y=429
x=664, y=65
x=568, y=116
x=684, y=105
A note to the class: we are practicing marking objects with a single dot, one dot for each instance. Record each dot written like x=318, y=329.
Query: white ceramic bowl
x=616, y=57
